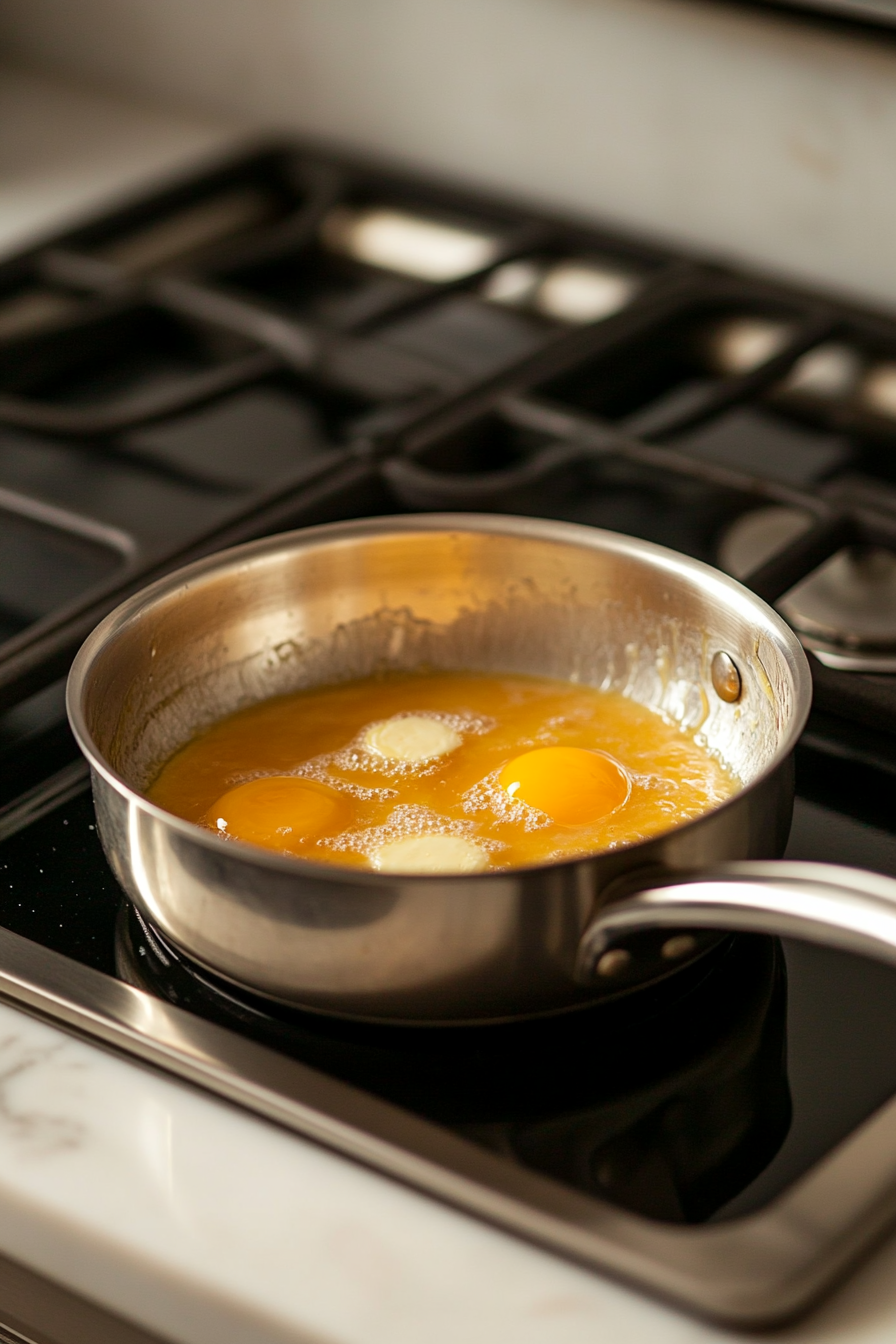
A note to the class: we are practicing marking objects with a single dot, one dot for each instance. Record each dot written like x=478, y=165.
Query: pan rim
x=548, y=530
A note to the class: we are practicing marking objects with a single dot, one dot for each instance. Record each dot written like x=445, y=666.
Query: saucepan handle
x=844, y=908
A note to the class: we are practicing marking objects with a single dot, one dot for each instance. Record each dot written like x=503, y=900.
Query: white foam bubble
x=321, y=768
x=489, y=796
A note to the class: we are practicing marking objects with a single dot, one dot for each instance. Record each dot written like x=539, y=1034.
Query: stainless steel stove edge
x=751, y=1272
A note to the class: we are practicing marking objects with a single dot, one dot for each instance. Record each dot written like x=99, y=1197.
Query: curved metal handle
x=845, y=908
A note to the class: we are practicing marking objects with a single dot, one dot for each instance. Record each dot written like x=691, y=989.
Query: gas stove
x=294, y=339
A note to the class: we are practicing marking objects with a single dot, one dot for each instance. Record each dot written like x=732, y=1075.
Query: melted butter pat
x=411, y=737
x=430, y=854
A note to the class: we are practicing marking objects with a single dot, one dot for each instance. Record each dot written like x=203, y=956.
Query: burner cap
x=845, y=611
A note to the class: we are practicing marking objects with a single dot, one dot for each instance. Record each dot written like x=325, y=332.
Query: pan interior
x=299, y=611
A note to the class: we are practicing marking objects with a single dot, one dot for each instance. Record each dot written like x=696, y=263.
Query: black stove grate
x=293, y=339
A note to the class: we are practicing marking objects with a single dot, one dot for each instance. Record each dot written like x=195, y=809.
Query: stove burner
x=845, y=611
x=670, y=1104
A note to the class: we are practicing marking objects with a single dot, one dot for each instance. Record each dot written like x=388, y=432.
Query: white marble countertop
x=210, y=1226
x=181, y=1212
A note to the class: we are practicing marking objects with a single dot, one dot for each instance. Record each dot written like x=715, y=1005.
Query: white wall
x=753, y=136
x=67, y=152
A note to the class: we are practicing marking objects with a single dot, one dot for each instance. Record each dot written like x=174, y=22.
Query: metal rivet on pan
x=725, y=678
x=680, y=946
x=613, y=962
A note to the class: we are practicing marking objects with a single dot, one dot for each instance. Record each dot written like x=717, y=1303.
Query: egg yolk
x=278, y=812
x=571, y=785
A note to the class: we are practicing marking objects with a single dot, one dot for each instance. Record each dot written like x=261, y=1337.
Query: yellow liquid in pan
x=442, y=772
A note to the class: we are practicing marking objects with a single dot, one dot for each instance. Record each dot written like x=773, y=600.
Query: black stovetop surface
x=161, y=398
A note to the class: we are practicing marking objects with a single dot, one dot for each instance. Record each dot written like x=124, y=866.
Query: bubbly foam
x=405, y=820
x=488, y=796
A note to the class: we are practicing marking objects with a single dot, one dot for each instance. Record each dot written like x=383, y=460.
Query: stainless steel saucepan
x=465, y=592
